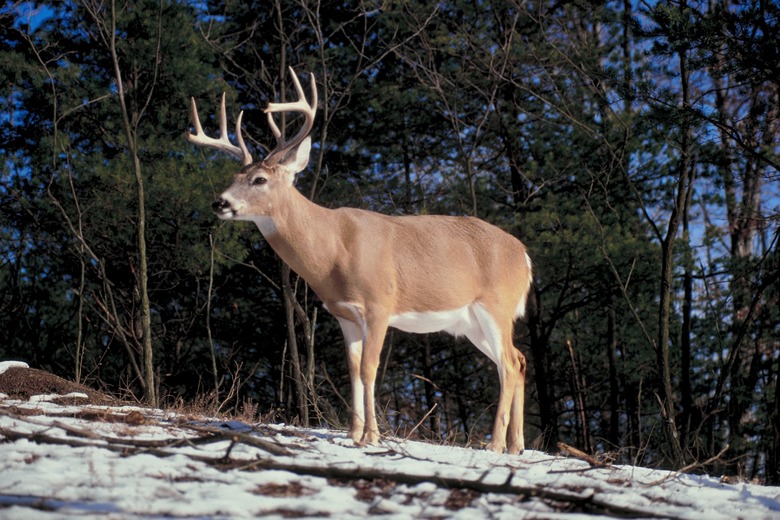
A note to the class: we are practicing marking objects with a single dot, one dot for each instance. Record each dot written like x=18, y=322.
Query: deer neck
x=304, y=235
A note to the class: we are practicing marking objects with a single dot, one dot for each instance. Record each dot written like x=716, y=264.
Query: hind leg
x=515, y=435
x=504, y=410
x=496, y=341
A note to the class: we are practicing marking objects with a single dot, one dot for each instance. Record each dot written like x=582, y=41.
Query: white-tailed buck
x=415, y=273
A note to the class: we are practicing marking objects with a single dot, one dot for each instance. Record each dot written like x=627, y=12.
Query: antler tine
x=301, y=105
x=314, y=98
x=246, y=157
x=223, y=119
x=223, y=144
x=274, y=129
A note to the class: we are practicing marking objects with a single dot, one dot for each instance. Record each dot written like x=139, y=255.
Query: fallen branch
x=122, y=444
x=574, y=452
x=592, y=502
x=271, y=447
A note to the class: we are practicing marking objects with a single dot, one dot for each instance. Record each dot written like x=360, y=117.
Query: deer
x=416, y=273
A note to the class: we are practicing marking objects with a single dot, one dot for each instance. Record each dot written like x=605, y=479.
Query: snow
x=66, y=461
x=5, y=365
x=53, y=397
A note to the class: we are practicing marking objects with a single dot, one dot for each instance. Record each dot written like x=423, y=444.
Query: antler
x=302, y=106
x=222, y=144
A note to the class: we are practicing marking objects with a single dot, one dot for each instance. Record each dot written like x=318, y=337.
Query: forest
x=631, y=145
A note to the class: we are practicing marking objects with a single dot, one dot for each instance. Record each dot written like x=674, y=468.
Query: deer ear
x=296, y=160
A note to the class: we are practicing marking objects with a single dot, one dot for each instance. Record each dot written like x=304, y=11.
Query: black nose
x=220, y=205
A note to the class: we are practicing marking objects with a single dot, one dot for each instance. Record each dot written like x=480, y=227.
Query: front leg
x=353, y=339
x=376, y=329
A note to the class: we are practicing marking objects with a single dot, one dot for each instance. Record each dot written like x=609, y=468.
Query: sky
x=83, y=461
x=29, y=13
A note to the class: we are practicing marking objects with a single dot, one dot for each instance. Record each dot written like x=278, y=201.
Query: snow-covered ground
x=85, y=461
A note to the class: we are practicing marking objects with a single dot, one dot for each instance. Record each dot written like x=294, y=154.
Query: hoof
x=495, y=447
x=516, y=448
x=370, y=438
x=356, y=436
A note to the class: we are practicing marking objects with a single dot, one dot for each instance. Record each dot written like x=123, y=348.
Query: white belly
x=472, y=321
x=456, y=322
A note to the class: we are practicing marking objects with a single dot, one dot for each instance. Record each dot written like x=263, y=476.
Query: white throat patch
x=266, y=225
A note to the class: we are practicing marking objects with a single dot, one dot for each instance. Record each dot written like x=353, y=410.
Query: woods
x=632, y=146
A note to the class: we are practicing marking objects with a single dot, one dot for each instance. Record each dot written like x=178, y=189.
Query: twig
x=689, y=467
x=271, y=447
x=233, y=442
x=408, y=435
x=574, y=452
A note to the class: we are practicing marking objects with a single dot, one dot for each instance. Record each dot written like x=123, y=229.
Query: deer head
x=259, y=188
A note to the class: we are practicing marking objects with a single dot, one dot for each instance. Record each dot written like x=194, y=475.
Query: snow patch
x=53, y=397
x=84, y=462
x=5, y=365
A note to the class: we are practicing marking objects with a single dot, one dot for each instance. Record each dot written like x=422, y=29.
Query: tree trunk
x=146, y=320
x=430, y=394
x=298, y=378
x=685, y=174
x=549, y=425
x=773, y=457
x=743, y=214
x=212, y=348
x=686, y=397
x=614, y=385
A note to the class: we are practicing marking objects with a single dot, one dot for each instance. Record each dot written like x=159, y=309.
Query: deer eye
x=259, y=181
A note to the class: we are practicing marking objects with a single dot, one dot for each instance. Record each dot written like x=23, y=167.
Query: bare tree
x=107, y=24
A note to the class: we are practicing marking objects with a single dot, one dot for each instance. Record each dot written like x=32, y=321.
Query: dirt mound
x=24, y=383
